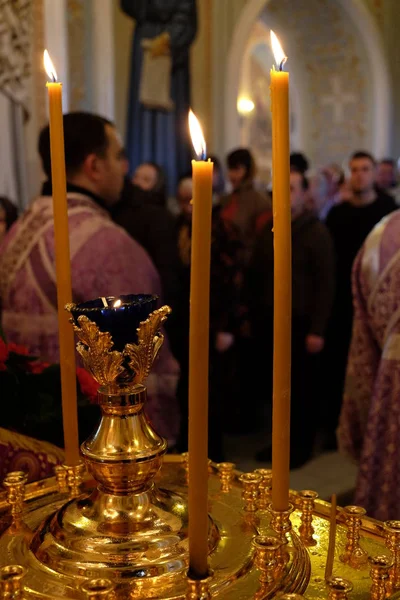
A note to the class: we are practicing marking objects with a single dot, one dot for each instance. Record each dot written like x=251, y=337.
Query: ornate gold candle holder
x=392, y=530
x=226, y=474
x=339, y=588
x=354, y=555
x=10, y=581
x=267, y=553
x=250, y=482
x=97, y=589
x=15, y=483
x=265, y=488
x=380, y=566
x=307, y=503
x=199, y=589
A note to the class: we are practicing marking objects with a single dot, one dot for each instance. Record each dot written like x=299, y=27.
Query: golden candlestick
x=307, y=503
x=380, y=566
x=267, y=551
x=97, y=589
x=265, y=488
x=226, y=474
x=392, y=529
x=10, y=581
x=354, y=554
x=15, y=485
x=250, y=482
x=339, y=588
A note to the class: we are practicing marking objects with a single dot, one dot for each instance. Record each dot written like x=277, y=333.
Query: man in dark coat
x=312, y=296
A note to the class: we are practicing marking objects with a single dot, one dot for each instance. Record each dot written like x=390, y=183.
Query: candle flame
x=196, y=133
x=280, y=57
x=48, y=65
x=117, y=303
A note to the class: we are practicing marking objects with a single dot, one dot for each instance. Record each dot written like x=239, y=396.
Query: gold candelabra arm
x=226, y=474
x=354, y=555
x=307, y=504
x=10, y=581
x=339, y=588
x=15, y=483
x=265, y=488
x=250, y=483
x=380, y=566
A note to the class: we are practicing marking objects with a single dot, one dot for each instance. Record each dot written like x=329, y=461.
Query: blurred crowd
x=128, y=236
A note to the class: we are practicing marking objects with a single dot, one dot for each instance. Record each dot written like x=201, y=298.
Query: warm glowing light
x=48, y=65
x=196, y=133
x=245, y=106
x=117, y=303
x=279, y=54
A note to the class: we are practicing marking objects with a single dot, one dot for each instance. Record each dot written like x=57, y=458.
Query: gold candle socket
x=307, y=504
x=280, y=521
x=74, y=478
x=15, y=483
x=354, y=555
x=61, y=476
x=265, y=488
x=199, y=589
x=250, y=482
x=10, y=581
x=267, y=551
x=97, y=589
x=338, y=588
x=392, y=529
x=226, y=473
x=380, y=566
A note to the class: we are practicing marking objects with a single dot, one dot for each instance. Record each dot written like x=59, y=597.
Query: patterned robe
x=105, y=261
x=369, y=429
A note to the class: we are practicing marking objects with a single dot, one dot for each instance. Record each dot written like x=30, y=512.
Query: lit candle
x=198, y=354
x=63, y=267
x=282, y=222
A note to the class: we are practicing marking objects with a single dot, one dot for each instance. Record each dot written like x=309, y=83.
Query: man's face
x=297, y=193
x=385, y=175
x=111, y=168
x=362, y=175
x=236, y=176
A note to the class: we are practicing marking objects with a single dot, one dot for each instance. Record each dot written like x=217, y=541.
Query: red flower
x=3, y=355
x=89, y=386
x=17, y=349
x=36, y=367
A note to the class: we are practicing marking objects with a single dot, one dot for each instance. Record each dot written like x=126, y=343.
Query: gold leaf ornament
x=95, y=348
x=150, y=339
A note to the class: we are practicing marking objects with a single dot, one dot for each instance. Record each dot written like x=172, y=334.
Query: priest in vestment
x=369, y=428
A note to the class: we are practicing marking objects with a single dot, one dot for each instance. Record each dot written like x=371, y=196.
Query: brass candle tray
x=62, y=543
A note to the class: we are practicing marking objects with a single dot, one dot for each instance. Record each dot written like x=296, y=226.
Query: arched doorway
x=342, y=91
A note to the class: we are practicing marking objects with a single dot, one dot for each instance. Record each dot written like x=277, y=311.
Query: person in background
x=150, y=223
x=245, y=208
x=150, y=177
x=387, y=178
x=312, y=298
x=8, y=215
x=224, y=312
x=349, y=224
x=105, y=260
x=326, y=189
x=369, y=426
x=299, y=162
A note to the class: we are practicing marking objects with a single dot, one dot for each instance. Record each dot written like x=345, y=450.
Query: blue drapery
x=154, y=135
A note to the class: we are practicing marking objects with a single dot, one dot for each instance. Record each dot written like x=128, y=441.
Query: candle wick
x=283, y=61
